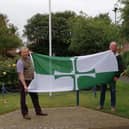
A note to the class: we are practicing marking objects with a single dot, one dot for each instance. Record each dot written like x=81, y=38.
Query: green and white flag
x=53, y=74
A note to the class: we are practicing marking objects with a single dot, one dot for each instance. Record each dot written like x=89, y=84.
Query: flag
x=55, y=74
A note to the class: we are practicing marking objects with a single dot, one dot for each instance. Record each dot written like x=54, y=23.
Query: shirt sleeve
x=20, y=66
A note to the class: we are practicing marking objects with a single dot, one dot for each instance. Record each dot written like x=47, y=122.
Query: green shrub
x=8, y=73
x=125, y=58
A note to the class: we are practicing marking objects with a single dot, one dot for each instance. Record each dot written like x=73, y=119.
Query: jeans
x=112, y=86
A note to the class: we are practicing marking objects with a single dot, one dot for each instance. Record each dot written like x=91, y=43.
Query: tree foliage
x=125, y=19
x=72, y=34
x=8, y=35
x=8, y=39
x=91, y=35
x=37, y=28
x=8, y=74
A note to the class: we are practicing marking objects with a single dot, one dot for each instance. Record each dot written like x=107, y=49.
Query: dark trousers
x=112, y=86
x=34, y=98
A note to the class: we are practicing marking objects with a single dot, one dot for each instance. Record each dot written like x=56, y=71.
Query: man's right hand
x=26, y=89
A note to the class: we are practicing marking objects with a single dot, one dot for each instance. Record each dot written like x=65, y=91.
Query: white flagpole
x=50, y=36
x=50, y=30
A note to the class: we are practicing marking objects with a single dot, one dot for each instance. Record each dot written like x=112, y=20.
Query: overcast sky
x=18, y=11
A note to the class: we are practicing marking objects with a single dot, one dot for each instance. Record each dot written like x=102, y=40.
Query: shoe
x=113, y=109
x=27, y=117
x=41, y=114
x=99, y=108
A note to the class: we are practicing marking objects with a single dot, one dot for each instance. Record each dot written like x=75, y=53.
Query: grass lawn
x=66, y=99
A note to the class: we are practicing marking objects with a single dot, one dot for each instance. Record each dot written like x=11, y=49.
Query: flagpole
x=50, y=36
x=50, y=30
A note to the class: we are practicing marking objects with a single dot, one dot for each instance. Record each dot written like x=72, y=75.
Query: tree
x=8, y=35
x=72, y=34
x=125, y=19
x=91, y=35
x=37, y=28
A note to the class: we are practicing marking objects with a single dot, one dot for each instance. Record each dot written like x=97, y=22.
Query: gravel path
x=64, y=118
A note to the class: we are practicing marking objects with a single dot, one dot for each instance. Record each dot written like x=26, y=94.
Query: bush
x=125, y=58
x=8, y=74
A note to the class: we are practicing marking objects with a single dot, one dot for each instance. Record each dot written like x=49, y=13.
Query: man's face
x=113, y=47
x=24, y=53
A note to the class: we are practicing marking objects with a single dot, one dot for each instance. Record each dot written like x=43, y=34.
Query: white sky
x=18, y=11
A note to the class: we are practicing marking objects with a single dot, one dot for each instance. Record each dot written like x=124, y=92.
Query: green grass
x=67, y=99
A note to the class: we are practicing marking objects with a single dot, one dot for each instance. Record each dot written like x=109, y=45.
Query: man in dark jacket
x=112, y=84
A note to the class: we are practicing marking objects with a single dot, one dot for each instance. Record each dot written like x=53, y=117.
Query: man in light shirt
x=25, y=75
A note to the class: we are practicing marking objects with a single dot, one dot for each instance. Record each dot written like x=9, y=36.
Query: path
x=64, y=118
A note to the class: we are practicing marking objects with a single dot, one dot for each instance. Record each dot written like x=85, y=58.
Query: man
x=112, y=84
x=25, y=75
